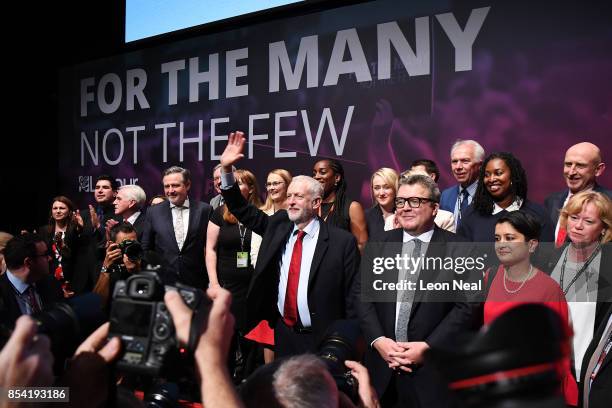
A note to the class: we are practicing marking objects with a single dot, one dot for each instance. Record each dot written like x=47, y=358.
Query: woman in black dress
x=337, y=209
x=228, y=261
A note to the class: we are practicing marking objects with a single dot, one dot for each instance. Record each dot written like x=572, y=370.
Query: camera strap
x=199, y=321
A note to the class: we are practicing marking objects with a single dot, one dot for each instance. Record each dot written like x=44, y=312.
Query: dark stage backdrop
x=374, y=84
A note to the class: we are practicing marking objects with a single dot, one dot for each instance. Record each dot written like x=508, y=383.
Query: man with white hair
x=129, y=202
x=466, y=159
x=306, y=271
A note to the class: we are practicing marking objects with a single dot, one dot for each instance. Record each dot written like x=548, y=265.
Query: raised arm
x=249, y=215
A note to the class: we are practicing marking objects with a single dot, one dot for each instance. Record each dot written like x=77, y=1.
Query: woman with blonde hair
x=276, y=186
x=583, y=266
x=383, y=188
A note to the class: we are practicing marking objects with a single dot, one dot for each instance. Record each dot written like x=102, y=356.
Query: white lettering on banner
x=463, y=40
x=108, y=133
x=136, y=81
x=214, y=137
x=234, y=71
x=135, y=130
x=308, y=54
x=416, y=59
x=211, y=77
x=171, y=68
x=252, y=135
x=164, y=127
x=327, y=125
x=358, y=65
x=416, y=63
x=327, y=118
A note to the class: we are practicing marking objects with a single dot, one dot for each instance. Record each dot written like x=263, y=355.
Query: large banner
x=375, y=84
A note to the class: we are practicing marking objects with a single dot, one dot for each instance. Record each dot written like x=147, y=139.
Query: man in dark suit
x=129, y=205
x=466, y=159
x=27, y=287
x=93, y=235
x=176, y=230
x=596, y=382
x=306, y=271
x=400, y=330
x=582, y=165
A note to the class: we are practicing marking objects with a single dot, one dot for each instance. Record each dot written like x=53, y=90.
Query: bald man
x=582, y=165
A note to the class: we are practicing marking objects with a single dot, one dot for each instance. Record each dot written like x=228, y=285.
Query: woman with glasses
x=502, y=188
x=383, y=188
x=517, y=281
x=336, y=208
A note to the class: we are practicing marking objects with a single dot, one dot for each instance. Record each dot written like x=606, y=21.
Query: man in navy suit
x=400, y=332
x=176, y=230
x=27, y=287
x=306, y=271
x=582, y=165
x=466, y=159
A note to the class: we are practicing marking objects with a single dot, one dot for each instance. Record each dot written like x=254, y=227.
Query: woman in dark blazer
x=502, y=188
x=383, y=187
x=62, y=235
x=583, y=267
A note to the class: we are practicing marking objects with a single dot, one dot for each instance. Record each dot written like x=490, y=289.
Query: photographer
x=304, y=381
x=123, y=258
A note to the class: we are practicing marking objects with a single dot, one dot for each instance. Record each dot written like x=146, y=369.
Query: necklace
x=331, y=210
x=580, y=271
x=522, y=283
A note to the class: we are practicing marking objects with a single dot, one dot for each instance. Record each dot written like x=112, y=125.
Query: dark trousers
x=290, y=341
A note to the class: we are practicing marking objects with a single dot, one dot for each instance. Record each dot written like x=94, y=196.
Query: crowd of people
x=281, y=271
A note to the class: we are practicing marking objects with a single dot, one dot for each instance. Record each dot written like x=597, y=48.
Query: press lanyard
x=580, y=272
x=242, y=235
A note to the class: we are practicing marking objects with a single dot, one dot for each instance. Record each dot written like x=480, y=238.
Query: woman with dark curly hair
x=502, y=188
x=337, y=209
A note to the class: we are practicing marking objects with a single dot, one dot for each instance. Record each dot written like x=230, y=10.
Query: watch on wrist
x=104, y=269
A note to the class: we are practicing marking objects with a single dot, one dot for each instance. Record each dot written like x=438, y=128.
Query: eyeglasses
x=47, y=254
x=413, y=202
x=274, y=184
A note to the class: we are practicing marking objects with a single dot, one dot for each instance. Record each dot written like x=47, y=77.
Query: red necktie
x=290, y=312
x=31, y=299
x=561, y=237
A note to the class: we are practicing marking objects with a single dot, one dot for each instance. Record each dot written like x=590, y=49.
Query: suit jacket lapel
x=194, y=219
x=319, y=253
x=169, y=223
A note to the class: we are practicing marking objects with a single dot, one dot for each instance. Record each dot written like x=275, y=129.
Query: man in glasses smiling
x=400, y=333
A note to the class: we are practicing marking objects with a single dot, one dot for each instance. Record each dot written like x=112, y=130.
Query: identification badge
x=242, y=259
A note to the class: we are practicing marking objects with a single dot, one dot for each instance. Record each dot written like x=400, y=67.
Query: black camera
x=132, y=249
x=66, y=324
x=142, y=321
x=342, y=342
